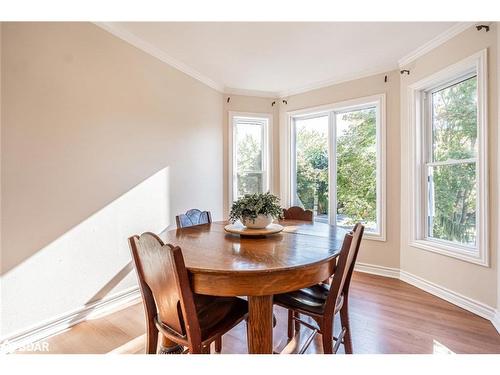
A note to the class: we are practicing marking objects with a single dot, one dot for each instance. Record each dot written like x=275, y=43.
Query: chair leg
x=290, y=324
x=327, y=336
x=197, y=348
x=297, y=324
x=168, y=346
x=218, y=344
x=151, y=339
x=344, y=319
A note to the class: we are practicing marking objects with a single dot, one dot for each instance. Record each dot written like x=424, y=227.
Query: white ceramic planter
x=261, y=221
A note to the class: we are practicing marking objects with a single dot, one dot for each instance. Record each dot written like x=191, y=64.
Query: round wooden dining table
x=223, y=264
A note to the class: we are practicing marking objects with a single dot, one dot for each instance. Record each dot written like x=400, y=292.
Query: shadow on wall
x=87, y=263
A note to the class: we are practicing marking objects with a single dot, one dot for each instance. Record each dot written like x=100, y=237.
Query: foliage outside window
x=357, y=168
x=312, y=165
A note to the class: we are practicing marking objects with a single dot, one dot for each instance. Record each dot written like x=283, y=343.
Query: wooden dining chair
x=297, y=213
x=172, y=309
x=322, y=302
x=193, y=217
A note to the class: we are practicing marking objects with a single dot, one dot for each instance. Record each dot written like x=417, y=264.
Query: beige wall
x=0, y=143
x=470, y=280
x=498, y=174
x=99, y=141
x=497, y=162
x=373, y=252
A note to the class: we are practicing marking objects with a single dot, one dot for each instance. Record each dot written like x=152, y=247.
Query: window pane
x=248, y=140
x=452, y=203
x=248, y=147
x=312, y=166
x=357, y=168
x=250, y=183
x=454, y=121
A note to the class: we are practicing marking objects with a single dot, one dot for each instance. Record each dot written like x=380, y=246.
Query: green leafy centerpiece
x=256, y=211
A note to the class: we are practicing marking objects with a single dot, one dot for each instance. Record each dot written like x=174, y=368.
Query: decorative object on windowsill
x=255, y=211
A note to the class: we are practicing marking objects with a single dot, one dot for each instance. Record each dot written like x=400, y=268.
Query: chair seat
x=218, y=314
x=311, y=299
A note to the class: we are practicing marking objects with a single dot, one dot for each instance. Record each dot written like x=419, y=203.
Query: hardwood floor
x=387, y=316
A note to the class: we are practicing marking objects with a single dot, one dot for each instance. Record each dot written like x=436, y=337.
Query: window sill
x=457, y=252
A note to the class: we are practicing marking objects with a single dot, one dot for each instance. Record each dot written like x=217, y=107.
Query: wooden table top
x=208, y=248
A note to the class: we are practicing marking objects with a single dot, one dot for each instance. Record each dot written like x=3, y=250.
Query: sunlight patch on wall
x=89, y=262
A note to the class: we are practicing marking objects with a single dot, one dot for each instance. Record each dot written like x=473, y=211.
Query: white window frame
x=418, y=141
x=267, y=151
x=288, y=155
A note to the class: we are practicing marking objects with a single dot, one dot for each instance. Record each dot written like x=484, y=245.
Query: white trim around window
x=419, y=142
x=267, y=120
x=287, y=156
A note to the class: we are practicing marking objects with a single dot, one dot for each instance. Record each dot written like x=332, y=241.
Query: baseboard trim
x=42, y=331
x=457, y=299
x=496, y=320
x=377, y=270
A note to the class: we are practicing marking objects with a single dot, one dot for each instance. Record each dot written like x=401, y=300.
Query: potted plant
x=256, y=211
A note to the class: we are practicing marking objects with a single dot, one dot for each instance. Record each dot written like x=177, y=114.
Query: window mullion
x=428, y=131
x=293, y=163
x=332, y=170
x=427, y=158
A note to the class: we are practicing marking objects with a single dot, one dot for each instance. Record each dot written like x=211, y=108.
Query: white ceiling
x=279, y=58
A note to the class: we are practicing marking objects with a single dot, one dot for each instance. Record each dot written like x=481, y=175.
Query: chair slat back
x=297, y=213
x=357, y=228
x=345, y=266
x=193, y=217
x=165, y=283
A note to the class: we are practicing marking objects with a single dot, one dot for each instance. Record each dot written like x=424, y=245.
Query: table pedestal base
x=260, y=324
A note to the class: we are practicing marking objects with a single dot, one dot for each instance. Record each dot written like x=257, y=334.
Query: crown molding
x=336, y=81
x=311, y=86
x=159, y=54
x=244, y=92
x=435, y=42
